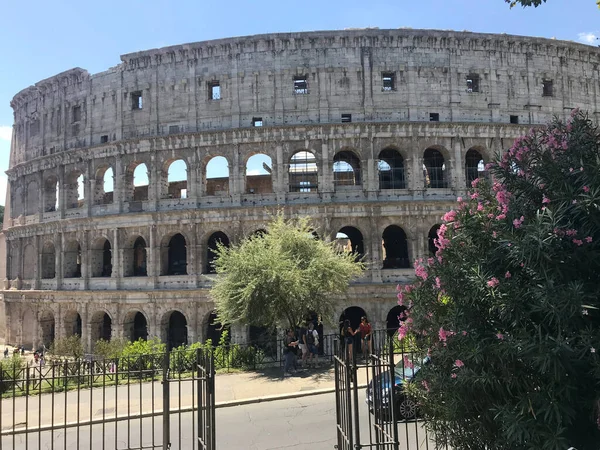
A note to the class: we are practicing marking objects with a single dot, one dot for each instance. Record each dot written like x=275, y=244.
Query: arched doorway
x=214, y=330
x=135, y=326
x=259, y=169
x=177, y=173
x=139, y=258
x=217, y=176
x=395, y=248
x=176, y=330
x=101, y=327
x=48, y=261
x=474, y=166
x=353, y=314
x=350, y=238
x=211, y=249
x=346, y=169
x=433, y=248
x=177, y=256
x=391, y=170
x=47, y=328
x=101, y=263
x=72, y=260
x=303, y=172
x=434, y=169
x=394, y=317
x=72, y=322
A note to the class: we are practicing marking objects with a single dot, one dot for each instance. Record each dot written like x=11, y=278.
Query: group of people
x=365, y=331
x=304, y=340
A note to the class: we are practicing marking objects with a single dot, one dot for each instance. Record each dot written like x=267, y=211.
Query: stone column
x=192, y=181
x=153, y=257
x=59, y=324
x=89, y=189
x=58, y=260
x=325, y=173
x=458, y=169
x=234, y=178
x=62, y=196
x=85, y=260
x=38, y=268
x=116, y=256
x=41, y=205
x=118, y=183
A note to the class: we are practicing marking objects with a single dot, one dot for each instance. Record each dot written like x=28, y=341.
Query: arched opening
x=214, y=330
x=395, y=248
x=72, y=323
x=51, y=194
x=394, y=317
x=211, y=249
x=259, y=169
x=303, y=172
x=474, y=166
x=351, y=239
x=217, y=176
x=139, y=258
x=29, y=263
x=25, y=335
x=48, y=261
x=33, y=198
x=353, y=314
x=135, y=326
x=265, y=339
x=101, y=327
x=104, y=186
x=346, y=169
x=434, y=169
x=101, y=258
x=391, y=170
x=72, y=260
x=74, y=190
x=176, y=330
x=47, y=327
x=140, y=183
x=258, y=233
x=175, y=256
x=177, y=179
x=432, y=236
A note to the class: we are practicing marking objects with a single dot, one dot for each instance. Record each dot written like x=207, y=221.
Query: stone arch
x=211, y=247
x=135, y=257
x=135, y=326
x=393, y=319
x=17, y=203
x=346, y=169
x=353, y=314
x=391, y=169
x=395, y=248
x=174, y=326
x=29, y=262
x=176, y=173
x=100, y=326
x=33, y=198
x=303, y=172
x=474, y=166
x=101, y=258
x=103, y=185
x=435, y=169
x=51, y=191
x=72, y=323
x=74, y=189
x=259, y=174
x=350, y=238
x=214, y=329
x=137, y=182
x=48, y=260
x=72, y=259
x=431, y=239
x=217, y=176
x=47, y=327
x=173, y=254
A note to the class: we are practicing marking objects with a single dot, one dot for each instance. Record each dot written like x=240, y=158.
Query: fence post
x=391, y=368
x=166, y=404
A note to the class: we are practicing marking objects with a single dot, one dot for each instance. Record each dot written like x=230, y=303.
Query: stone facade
x=372, y=133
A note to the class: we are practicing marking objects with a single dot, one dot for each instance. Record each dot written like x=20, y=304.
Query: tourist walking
x=349, y=333
x=289, y=353
x=311, y=338
x=365, y=336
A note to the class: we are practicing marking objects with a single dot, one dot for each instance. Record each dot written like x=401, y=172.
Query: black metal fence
x=373, y=409
x=149, y=401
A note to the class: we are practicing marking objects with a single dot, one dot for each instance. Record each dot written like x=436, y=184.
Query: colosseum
x=122, y=182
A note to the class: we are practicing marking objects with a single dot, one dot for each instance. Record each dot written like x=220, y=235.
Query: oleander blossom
x=500, y=336
x=458, y=363
x=507, y=275
x=420, y=271
x=450, y=216
x=518, y=222
x=425, y=385
x=493, y=282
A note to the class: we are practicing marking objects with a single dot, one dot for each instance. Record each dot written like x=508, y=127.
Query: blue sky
x=41, y=38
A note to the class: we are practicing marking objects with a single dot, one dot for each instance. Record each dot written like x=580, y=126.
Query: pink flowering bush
x=509, y=309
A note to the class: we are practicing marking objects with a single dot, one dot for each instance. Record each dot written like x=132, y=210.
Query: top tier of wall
x=344, y=72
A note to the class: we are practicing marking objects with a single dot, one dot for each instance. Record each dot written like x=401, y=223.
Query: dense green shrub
x=110, y=349
x=511, y=301
x=11, y=369
x=69, y=347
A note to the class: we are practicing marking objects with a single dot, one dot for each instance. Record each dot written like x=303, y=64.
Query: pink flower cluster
x=493, y=282
x=450, y=216
x=420, y=271
x=518, y=222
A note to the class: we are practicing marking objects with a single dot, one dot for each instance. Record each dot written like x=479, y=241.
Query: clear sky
x=42, y=38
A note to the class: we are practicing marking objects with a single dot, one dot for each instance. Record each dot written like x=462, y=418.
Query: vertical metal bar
x=52, y=421
x=128, y=401
x=153, y=366
x=26, y=409
x=166, y=406
x=348, y=399
x=66, y=386
x=78, y=400
x=211, y=386
x=392, y=366
x=141, y=378
x=116, y=378
x=39, y=433
x=200, y=398
x=1, y=402
x=355, y=392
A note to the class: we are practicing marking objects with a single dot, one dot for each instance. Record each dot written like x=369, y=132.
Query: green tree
x=277, y=277
x=509, y=309
x=110, y=349
x=534, y=3
x=1, y=215
x=70, y=346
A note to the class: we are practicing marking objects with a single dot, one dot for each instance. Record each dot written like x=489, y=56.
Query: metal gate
x=161, y=401
x=372, y=409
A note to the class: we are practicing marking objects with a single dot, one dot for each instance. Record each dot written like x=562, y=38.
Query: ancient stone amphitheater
x=373, y=133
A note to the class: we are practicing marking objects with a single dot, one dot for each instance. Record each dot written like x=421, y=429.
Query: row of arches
x=173, y=253
x=303, y=176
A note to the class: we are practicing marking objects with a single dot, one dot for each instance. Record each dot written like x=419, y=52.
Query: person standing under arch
x=349, y=339
x=365, y=336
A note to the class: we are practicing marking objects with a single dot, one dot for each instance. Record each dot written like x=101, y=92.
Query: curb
x=271, y=398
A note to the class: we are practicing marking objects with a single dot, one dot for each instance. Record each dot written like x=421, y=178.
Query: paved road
x=303, y=423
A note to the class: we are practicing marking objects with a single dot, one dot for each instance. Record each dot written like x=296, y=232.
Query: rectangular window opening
x=104, y=139
x=472, y=83
x=389, y=81
x=137, y=100
x=257, y=122
x=214, y=90
x=434, y=117
x=514, y=119
x=300, y=84
x=76, y=114
x=305, y=186
x=346, y=118
x=173, y=129
x=548, y=88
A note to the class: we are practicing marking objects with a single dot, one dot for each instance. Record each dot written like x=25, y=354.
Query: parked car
x=379, y=396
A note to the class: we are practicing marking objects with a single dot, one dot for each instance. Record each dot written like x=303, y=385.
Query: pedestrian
x=289, y=353
x=302, y=345
x=5, y=352
x=22, y=350
x=312, y=342
x=365, y=336
x=349, y=339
